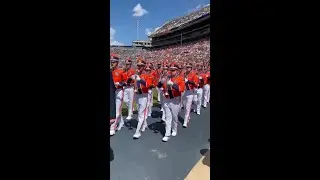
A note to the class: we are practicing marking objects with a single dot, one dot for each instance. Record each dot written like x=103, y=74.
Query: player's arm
x=142, y=80
x=179, y=86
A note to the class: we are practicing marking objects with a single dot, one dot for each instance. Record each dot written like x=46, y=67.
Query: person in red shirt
x=173, y=87
x=142, y=86
x=128, y=89
x=118, y=78
x=191, y=83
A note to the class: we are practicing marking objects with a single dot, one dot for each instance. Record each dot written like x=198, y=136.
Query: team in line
x=177, y=87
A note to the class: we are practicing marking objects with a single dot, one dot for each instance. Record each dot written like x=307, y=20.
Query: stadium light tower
x=137, y=28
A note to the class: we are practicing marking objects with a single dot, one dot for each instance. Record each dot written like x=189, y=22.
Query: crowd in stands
x=194, y=52
x=182, y=20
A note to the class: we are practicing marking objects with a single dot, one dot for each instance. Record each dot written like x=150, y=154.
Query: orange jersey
x=203, y=81
x=178, y=80
x=118, y=76
x=192, y=77
x=148, y=79
x=155, y=76
x=128, y=74
x=152, y=78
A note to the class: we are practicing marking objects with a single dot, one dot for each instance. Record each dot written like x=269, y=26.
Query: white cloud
x=112, y=39
x=139, y=11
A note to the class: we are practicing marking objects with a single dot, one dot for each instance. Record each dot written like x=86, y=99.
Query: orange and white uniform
x=172, y=87
x=129, y=91
x=191, y=82
x=142, y=83
x=119, y=81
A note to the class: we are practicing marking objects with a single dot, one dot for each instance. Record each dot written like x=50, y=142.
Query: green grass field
x=155, y=103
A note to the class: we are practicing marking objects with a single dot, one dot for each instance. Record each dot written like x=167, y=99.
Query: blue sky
x=151, y=14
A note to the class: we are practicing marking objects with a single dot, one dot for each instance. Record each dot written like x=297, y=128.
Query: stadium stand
x=181, y=21
x=183, y=39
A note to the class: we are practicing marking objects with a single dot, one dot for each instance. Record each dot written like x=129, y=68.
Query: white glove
x=117, y=83
x=200, y=77
x=169, y=83
x=161, y=89
x=163, y=80
x=133, y=77
x=138, y=78
x=185, y=79
x=207, y=76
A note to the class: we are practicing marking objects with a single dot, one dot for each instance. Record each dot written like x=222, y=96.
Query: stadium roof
x=125, y=46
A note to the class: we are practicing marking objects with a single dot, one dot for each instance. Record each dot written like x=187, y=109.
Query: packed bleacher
x=182, y=21
x=195, y=52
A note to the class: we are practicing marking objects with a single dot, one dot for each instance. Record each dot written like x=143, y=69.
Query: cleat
x=129, y=118
x=198, y=113
x=185, y=126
